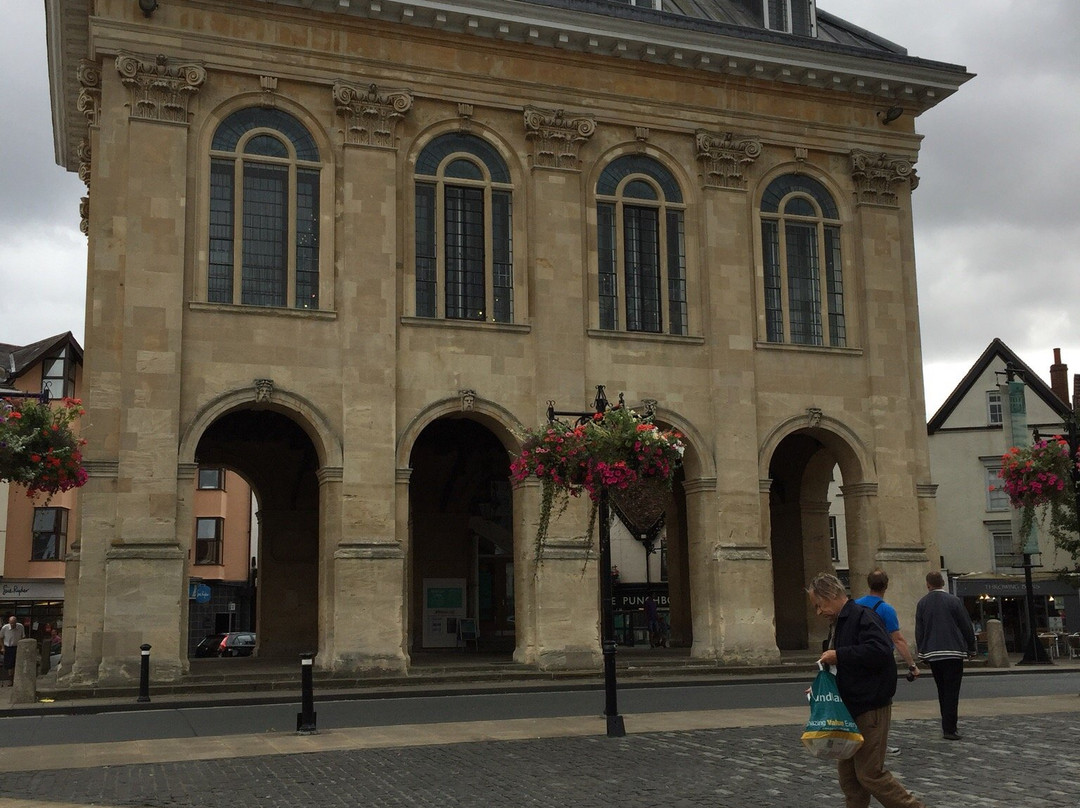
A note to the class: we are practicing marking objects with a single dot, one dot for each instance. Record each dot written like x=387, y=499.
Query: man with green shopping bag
x=860, y=651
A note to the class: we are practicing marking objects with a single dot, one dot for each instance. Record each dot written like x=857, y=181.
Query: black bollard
x=144, y=673
x=305, y=719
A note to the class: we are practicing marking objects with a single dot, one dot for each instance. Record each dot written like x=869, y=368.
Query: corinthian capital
x=371, y=116
x=723, y=157
x=160, y=90
x=89, y=103
x=875, y=174
x=556, y=138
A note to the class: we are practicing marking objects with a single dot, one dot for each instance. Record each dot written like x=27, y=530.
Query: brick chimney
x=1059, y=377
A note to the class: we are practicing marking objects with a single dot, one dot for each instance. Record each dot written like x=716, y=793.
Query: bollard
x=144, y=673
x=24, y=685
x=305, y=719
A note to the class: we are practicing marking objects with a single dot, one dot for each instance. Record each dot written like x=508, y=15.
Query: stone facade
x=344, y=405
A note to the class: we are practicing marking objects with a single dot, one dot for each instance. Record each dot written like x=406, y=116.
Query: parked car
x=233, y=644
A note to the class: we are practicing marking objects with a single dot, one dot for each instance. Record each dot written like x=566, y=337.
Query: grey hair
x=827, y=586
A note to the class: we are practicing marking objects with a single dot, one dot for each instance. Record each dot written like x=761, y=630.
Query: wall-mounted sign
x=31, y=590
x=444, y=605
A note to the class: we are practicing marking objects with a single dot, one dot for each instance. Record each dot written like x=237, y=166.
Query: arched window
x=800, y=236
x=464, y=231
x=264, y=211
x=641, y=246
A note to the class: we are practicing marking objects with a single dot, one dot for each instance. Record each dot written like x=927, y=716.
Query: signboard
x=31, y=590
x=444, y=606
x=198, y=592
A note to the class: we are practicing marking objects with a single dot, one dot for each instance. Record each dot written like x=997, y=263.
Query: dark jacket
x=943, y=629
x=865, y=668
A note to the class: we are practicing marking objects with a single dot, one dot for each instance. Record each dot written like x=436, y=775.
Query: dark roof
x=15, y=360
x=996, y=350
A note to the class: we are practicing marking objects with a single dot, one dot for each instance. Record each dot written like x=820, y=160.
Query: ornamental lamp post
x=615, y=726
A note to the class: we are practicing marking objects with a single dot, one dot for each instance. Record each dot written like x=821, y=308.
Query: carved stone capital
x=160, y=90
x=556, y=138
x=371, y=116
x=926, y=490
x=89, y=103
x=330, y=474
x=723, y=157
x=875, y=174
x=84, y=215
x=84, y=155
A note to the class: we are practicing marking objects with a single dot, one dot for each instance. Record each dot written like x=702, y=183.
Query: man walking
x=944, y=637
x=878, y=582
x=866, y=678
x=11, y=633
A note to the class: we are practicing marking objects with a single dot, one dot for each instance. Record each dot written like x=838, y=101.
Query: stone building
x=347, y=249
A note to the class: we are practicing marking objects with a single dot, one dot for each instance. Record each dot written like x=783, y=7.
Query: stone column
x=145, y=565
x=863, y=529
x=526, y=570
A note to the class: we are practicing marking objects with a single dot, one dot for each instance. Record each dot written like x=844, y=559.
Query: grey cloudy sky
x=997, y=214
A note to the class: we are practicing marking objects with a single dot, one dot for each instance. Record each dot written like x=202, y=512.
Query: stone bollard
x=997, y=656
x=24, y=690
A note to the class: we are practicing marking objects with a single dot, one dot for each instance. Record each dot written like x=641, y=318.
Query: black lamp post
x=615, y=726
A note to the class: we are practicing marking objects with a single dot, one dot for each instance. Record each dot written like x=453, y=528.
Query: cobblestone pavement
x=1017, y=760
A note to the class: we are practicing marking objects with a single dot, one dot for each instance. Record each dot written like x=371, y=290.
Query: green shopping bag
x=831, y=732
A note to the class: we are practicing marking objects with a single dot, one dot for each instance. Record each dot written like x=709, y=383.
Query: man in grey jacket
x=944, y=637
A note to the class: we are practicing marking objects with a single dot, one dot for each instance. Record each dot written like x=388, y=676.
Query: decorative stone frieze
x=371, y=116
x=89, y=103
x=264, y=389
x=556, y=138
x=160, y=91
x=723, y=157
x=875, y=174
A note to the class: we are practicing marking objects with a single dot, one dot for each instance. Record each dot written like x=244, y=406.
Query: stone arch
x=852, y=453
x=511, y=157
x=687, y=185
x=698, y=462
x=306, y=415
x=502, y=423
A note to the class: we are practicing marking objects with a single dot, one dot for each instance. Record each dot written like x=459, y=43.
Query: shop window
x=50, y=534
x=58, y=374
x=264, y=212
x=208, y=536
x=211, y=479
x=641, y=248
x=803, y=281
x=464, y=231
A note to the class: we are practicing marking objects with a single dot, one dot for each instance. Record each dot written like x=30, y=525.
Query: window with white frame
x=264, y=211
x=994, y=413
x=50, y=527
x=464, y=231
x=790, y=16
x=209, y=532
x=803, y=277
x=1005, y=553
x=997, y=498
x=641, y=247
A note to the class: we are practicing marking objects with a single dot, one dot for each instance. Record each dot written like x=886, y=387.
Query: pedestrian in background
x=11, y=633
x=944, y=638
x=862, y=654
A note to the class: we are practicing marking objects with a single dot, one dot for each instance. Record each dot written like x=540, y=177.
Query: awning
x=1000, y=585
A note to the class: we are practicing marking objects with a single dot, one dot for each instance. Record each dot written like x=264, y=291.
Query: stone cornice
x=631, y=33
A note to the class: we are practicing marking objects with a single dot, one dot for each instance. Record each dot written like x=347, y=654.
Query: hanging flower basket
x=1040, y=476
x=38, y=448
x=617, y=450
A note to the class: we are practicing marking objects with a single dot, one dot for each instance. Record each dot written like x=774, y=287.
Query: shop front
x=38, y=605
x=993, y=596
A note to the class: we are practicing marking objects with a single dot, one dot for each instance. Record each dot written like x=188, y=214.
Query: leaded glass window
x=264, y=212
x=803, y=290
x=641, y=248
x=464, y=231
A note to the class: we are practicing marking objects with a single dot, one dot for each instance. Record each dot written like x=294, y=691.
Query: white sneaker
x=892, y=750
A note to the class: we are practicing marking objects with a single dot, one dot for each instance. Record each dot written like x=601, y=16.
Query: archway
x=279, y=461
x=462, y=553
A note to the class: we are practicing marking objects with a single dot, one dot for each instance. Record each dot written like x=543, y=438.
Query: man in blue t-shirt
x=878, y=582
